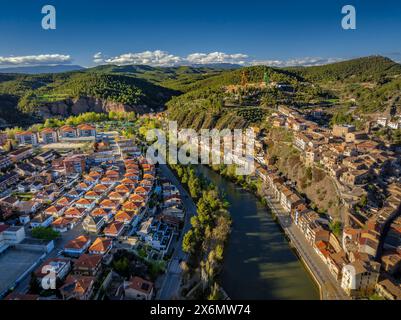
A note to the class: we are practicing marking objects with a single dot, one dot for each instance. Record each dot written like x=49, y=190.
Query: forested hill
x=111, y=87
x=148, y=87
x=222, y=101
x=376, y=68
x=371, y=84
x=177, y=78
x=25, y=93
x=361, y=86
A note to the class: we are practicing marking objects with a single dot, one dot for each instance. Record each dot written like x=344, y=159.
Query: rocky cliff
x=86, y=104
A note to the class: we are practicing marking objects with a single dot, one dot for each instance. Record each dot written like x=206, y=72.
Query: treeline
x=209, y=232
x=207, y=237
x=88, y=117
x=194, y=183
x=245, y=181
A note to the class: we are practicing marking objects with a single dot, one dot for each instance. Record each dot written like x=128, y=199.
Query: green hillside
x=26, y=92
x=176, y=78
x=210, y=103
x=373, y=68
x=117, y=88
x=131, y=85
x=369, y=85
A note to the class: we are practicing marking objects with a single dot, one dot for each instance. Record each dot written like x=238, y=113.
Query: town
x=110, y=224
x=104, y=222
x=365, y=257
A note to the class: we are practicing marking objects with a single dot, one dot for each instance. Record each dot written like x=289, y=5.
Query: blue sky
x=274, y=32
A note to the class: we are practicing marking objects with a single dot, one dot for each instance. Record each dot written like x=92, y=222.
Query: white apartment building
x=359, y=278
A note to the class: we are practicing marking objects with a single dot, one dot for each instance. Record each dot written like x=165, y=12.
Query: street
x=172, y=278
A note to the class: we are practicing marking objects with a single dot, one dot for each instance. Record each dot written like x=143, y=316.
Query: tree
x=189, y=242
x=45, y=233
x=179, y=171
x=219, y=252
x=363, y=201
x=184, y=178
x=215, y=292
x=156, y=268
x=336, y=228
x=194, y=186
x=8, y=146
x=122, y=266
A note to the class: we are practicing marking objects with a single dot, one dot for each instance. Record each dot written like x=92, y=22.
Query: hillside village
x=365, y=257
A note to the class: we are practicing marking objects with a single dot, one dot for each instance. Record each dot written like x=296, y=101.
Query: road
x=330, y=288
x=172, y=278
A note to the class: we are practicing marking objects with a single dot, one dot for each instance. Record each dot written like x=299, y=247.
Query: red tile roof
x=142, y=285
x=114, y=228
x=88, y=261
x=101, y=245
x=77, y=243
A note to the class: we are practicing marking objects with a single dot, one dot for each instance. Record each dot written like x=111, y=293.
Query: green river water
x=258, y=261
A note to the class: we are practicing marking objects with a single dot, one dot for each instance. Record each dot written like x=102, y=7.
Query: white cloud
x=306, y=61
x=152, y=58
x=98, y=57
x=41, y=59
x=216, y=57
x=163, y=58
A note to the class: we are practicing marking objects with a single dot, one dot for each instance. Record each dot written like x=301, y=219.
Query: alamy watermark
x=348, y=21
x=49, y=20
x=212, y=147
x=48, y=282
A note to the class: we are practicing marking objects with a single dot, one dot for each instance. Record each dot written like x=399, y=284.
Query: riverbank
x=210, y=228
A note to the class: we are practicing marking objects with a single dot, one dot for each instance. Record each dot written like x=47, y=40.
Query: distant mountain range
x=67, y=68
x=223, y=66
x=42, y=69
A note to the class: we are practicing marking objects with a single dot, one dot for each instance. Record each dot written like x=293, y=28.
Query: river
x=258, y=261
